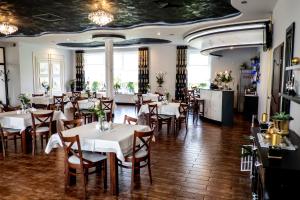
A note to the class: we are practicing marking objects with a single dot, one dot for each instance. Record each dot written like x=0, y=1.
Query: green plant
x=98, y=111
x=281, y=116
x=23, y=99
x=95, y=86
x=244, y=66
x=167, y=95
x=130, y=87
x=203, y=85
x=160, y=78
x=117, y=86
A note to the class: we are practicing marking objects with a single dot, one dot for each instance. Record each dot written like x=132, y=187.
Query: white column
x=109, y=58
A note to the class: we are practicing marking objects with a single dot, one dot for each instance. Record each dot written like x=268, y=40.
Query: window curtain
x=181, y=72
x=143, y=81
x=80, y=78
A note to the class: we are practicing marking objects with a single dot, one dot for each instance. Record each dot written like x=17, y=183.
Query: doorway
x=277, y=79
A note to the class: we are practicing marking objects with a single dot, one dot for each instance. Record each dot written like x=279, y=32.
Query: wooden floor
x=203, y=163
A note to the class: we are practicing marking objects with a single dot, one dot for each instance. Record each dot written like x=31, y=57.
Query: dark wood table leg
x=26, y=141
x=114, y=179
x=137, y=174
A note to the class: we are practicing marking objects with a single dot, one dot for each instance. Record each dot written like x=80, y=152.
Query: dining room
x=160, y=99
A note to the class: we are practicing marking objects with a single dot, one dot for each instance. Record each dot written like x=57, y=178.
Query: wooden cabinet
x=218, y=105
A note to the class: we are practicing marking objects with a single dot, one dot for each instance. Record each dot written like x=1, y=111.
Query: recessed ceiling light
x=158, y=33
x=244, y=2
x=231, y=48
x=68, y=39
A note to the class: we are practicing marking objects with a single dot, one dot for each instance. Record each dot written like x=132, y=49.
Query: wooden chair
x=146, y=102
x=107, y=106
x=11, y=134
x=79, y=162
x=75, y=95
x=68, y=124
x=160, y=96
x=140, y=155
x=183, y=117
x=130, y=120
x=42, y=126
x=156, y=120
x=138, y=101
x=58, y=102
x=87, y=115
x=2, y=142
x=199, y=108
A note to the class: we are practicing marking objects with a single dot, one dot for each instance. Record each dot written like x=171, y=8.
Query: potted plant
x=72, y=84
x=160, y=78
x=99, y=112
x=117, y=87
x=130, y=87
x=46, y=87
x=95, y=86
x=281, y=121
x=25, y=101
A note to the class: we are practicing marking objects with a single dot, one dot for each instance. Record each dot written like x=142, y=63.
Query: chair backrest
x=145, y=139
x=147, y=101
x=37, y=95
x=75, y=95
x=2, y=141
x=68, y=143
x=58, y=101
x=107, y=106
x=183, y=109
x=104, y=98
x=153, y=110
x=130, y=120
x=68, y=124
x=139, y=98
x=42, y=120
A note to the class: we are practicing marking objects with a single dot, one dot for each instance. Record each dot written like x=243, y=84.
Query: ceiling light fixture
x=7, y=29
x=101, y=17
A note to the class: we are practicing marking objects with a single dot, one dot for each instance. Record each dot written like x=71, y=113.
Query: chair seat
x=42, y=129
x=93, y=157
x=10, y=130
x=164, y=117
x=139, y=154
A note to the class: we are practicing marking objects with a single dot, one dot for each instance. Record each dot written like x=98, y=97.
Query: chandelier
x=7, y=29
x=101, y=17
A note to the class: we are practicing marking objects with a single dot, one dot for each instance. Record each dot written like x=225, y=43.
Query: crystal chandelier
x=101, y=17
x=7, y=29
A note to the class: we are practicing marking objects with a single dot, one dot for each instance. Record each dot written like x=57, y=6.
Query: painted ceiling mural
x=36, y=17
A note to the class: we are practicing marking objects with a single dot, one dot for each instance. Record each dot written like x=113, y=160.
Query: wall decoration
x=80, y=76
x=181, y=72
x=143, y=81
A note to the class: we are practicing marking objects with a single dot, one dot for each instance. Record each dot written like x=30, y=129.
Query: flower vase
x=101, y=121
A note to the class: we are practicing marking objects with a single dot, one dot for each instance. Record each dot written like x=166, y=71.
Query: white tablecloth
x=118, y=140
x=15, y=120
x=167, y=109
x=84, y=94
x=45, y=100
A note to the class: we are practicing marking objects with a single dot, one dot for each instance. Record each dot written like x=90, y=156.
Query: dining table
x=163, y=108
x=117, y=142
x=84, y=104
x=45, y=100
x=21, y=120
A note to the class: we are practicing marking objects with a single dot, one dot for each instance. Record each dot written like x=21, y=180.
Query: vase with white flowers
x=24, y=100
x=223, y=79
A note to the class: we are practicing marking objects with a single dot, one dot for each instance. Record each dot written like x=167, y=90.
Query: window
x=49, y=71
x=94, y=66
x=126, y=71
x=198, y=69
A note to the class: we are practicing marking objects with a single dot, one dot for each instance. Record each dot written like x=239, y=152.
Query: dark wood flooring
x=203, y=163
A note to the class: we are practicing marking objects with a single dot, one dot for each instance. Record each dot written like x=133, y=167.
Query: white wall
x=284, y=13
x=163, y=59
x=231, y=60
x=26, y=52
